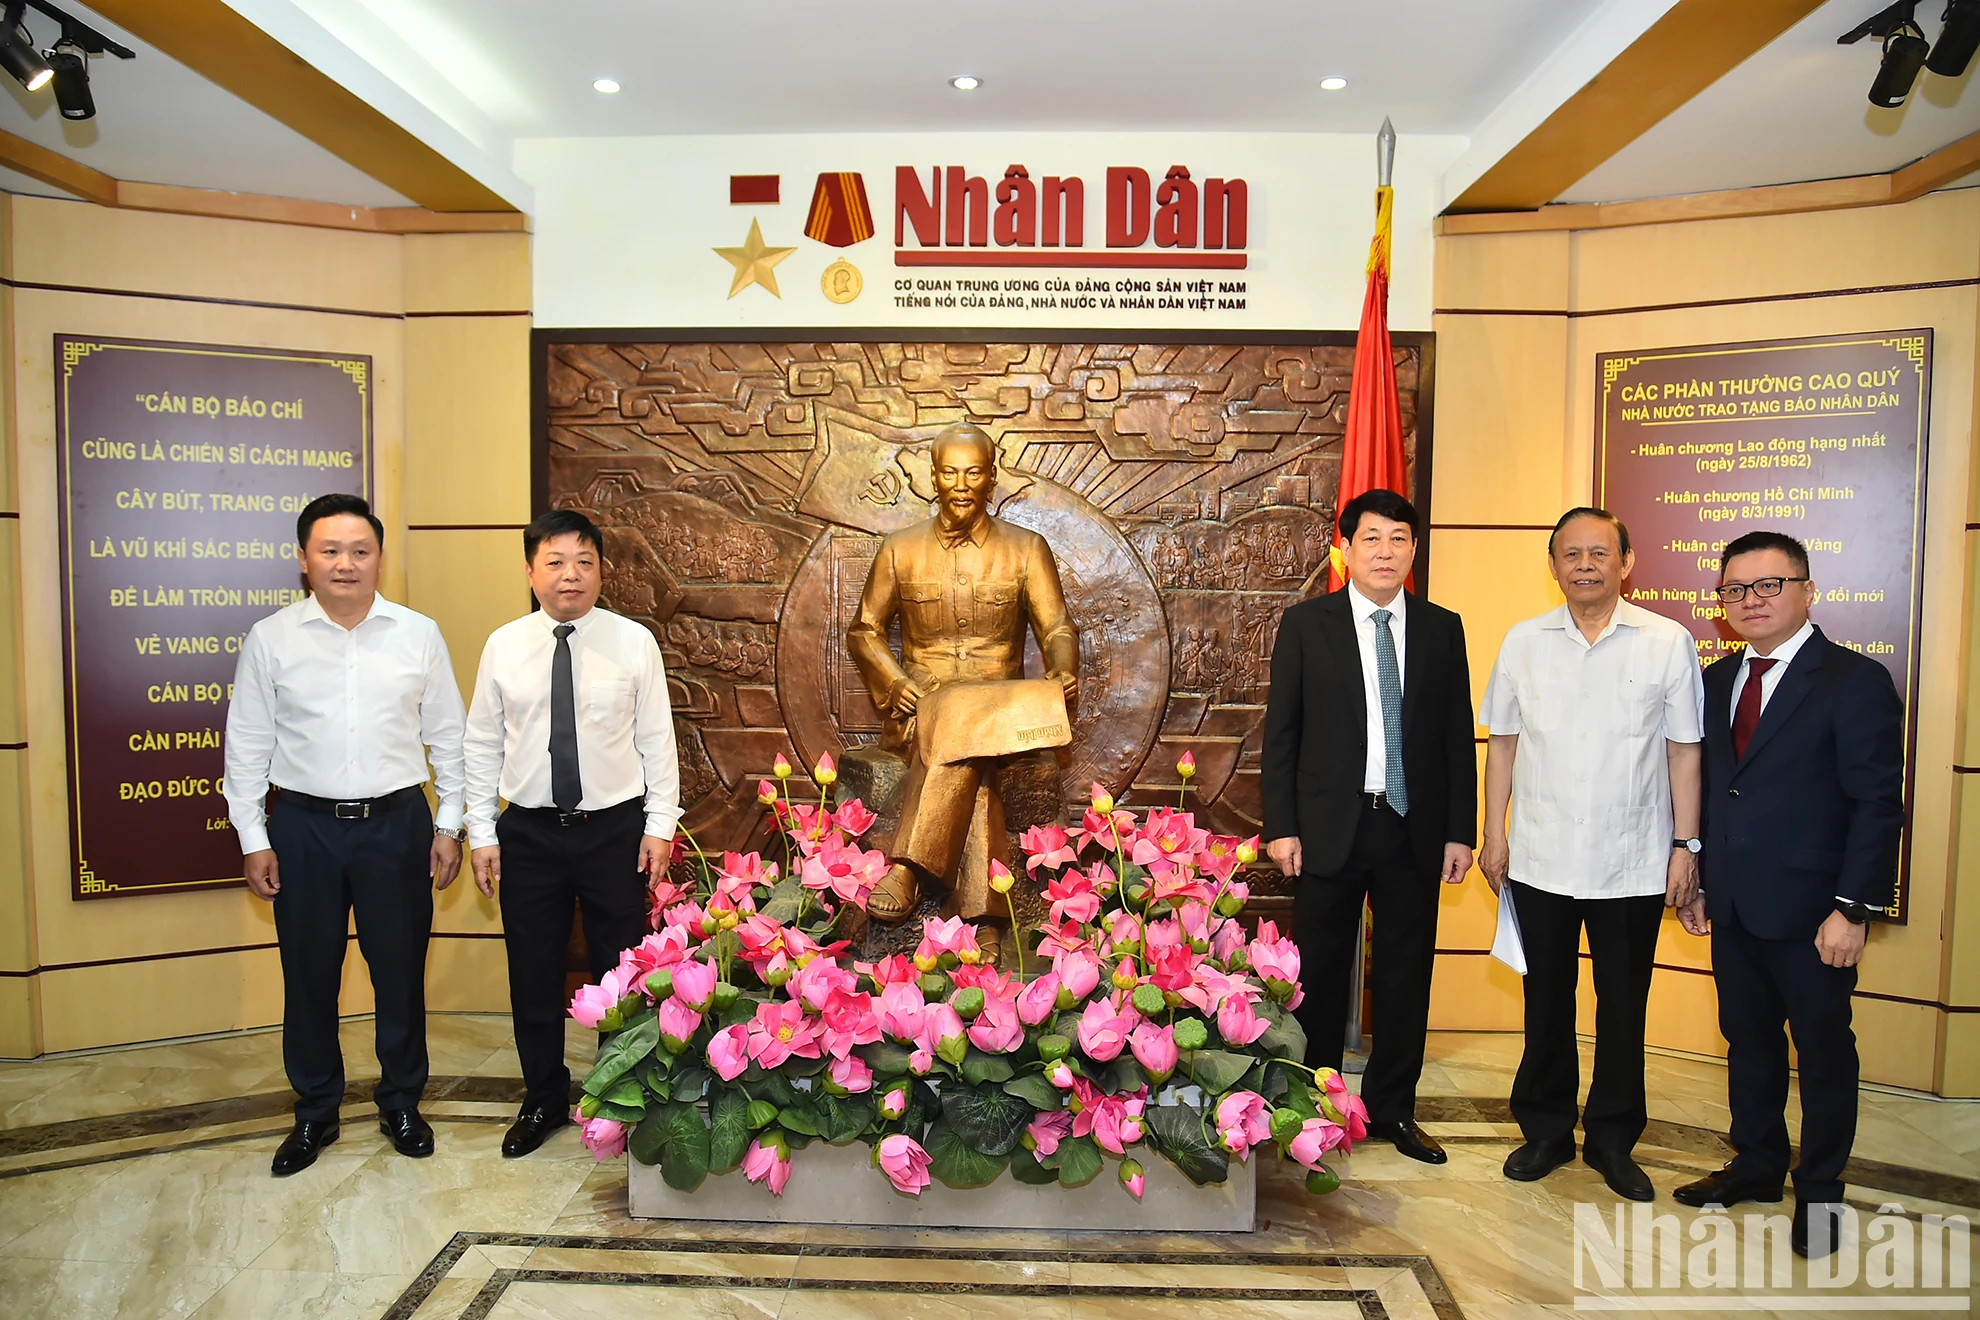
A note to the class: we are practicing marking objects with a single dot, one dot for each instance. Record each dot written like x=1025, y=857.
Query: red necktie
x=1747, y=718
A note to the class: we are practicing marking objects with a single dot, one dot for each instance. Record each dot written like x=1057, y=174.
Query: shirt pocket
x=1542, y=708
x=1642, y=702
x=921, y=605
x=996, y=607
x=608, y=702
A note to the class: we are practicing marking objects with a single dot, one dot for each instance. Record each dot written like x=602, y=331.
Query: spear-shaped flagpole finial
x=1385, y=153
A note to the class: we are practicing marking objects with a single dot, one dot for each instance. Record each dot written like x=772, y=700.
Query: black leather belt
x=350, y=808
x=1376, y=801
x=566, y=819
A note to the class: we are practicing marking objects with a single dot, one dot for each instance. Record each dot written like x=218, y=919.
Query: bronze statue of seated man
x=965, y=586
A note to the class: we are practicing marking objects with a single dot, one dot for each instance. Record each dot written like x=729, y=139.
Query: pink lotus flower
x=728, y=1053
x=889, y=970
x=942, y=1034
x=904, y=1162
x=846, y=869
x=1236, y=1022
x=851, y=1074
x=678, y=1023
x=1058, y=942
x=1315, y=1138
x=1113, y=1120
x=817, y=980
x=1046, y=845
x=849, y=1020
x=1072, y=898
x=1218, y=857
x=1243, y=1121
x=894, y=1101
x=1155, y=1050
x=694, y=984
x=1133, y=1177
x=1078, y=973
x=1227, y=943
x=772, y=1161
x=1039, y=1000
x=1349, y=1106
x=997, y=1029
x=1105, y=828
x=1104, y=1028
x=1048, y=1129
x=1172, y=967
x=1168, y=839
x=901, y=1008
x=780, y=1030
x=921, y=1062
x=1275, y=960
x=663, y=948
x=747, y=870
x=854, y=818
x=592, y=1002
x=605, y=1138
x=809, y=825
x=952, y=935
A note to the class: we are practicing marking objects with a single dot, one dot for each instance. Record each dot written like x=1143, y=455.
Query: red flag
x=1372, y=452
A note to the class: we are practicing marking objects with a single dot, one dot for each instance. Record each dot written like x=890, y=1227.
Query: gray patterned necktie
x=1388, y=682
x=566, y=787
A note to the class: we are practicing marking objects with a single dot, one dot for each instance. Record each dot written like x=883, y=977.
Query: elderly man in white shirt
x=338, y=699
x=571, y=725
x=1595, y=712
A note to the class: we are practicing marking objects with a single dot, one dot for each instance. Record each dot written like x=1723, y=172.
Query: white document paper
x=1506, y=944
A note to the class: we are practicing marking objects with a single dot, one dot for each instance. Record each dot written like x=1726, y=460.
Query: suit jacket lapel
x=1718, y=709
x=1337, y=624
x=1794, y=686
x=1415, y=661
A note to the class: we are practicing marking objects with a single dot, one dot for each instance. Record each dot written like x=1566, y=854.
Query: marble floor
x=134, y=1183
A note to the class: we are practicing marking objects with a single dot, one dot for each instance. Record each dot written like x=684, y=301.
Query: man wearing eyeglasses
x=1804, y=803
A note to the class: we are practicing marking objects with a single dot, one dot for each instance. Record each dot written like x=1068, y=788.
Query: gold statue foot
x=990, y=943
x=892, y=900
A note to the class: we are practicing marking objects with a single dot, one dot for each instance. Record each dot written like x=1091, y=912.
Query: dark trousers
x=1326, y=914
x=1622, y=944
x=545, y=866
x=1764, y=987
x=330, y=868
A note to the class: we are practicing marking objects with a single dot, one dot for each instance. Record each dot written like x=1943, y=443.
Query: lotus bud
x=1323, y=1180
x=588, y=1105
x=782, y=768
x=1186, y=767
x=761, y=1114
x=774, y=976
x=825, y=774
x=1247, y=852
x=926, y=962
x=1124, y=975
x=1001, y=878
x=895, y=1102
x=1133, y=1178
x=766, y=792
x=729, y=919
x=1103, y=801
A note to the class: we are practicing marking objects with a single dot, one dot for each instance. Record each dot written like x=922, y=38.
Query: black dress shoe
x=1411, y=1140
x=1827, y=1225
x=410, y=1134
x=532, y=1128
x=1536, y=1159
x=1624, y=1176
x=300, y=1148
x=1727, y=1188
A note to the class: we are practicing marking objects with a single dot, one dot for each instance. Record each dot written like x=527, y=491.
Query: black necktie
x=565, y=790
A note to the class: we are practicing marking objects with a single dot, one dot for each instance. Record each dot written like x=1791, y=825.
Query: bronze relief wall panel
x=1187, y=490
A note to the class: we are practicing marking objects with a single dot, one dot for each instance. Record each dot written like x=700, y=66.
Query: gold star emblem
x=753, y=262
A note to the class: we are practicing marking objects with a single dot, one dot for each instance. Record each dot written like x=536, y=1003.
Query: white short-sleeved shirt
x=1591, y=803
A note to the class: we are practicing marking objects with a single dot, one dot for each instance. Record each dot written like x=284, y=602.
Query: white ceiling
x=472, y=77
x=1797, y=110
x=159, y=122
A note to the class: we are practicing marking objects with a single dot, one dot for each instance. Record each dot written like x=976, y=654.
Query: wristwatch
x=1689, y=845
x=1859, y=913
x=458, y=836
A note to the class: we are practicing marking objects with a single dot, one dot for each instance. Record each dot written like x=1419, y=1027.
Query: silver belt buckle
x=358, y=811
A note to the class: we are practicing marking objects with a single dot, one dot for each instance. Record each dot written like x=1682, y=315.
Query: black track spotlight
x=1958, y=39
x=18, y=55
x=72, y=83
x=1905, y=49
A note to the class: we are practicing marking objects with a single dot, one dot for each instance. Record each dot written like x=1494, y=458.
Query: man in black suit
x=1804, y=802
x=1371, y=793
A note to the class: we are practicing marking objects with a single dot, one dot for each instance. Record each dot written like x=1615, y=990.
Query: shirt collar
x=1362, y=607
x=1785, y=652
x=548, y=624
x=978, y=533
x=312, y=611
x=1625, y=615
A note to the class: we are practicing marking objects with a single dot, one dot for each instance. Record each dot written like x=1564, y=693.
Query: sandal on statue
x=893, y=900
x=990, y=943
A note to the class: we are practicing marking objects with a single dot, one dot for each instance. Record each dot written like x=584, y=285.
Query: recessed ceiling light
x=967, y=82
x=1333, y=84
x=606, y=85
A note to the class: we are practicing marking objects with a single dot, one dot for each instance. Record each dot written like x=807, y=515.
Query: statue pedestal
x=837, y=1185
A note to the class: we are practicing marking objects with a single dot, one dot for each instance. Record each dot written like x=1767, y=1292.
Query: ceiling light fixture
x=605, y=85
x=965, y=82
x=72, y=95
x=66, y=64
x=18, y=55
x=1905, y=49
x=1958, y=39
x=1333, y=84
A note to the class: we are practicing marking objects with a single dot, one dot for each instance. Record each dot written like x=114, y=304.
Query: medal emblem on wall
x=840, y=216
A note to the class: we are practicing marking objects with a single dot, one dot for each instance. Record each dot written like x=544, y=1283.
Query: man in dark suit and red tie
x=1804, y=803
x=1370, y=778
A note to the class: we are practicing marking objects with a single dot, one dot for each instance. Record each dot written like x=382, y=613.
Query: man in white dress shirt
x=571, y=725
x=1595, y=711
x=338, y=700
